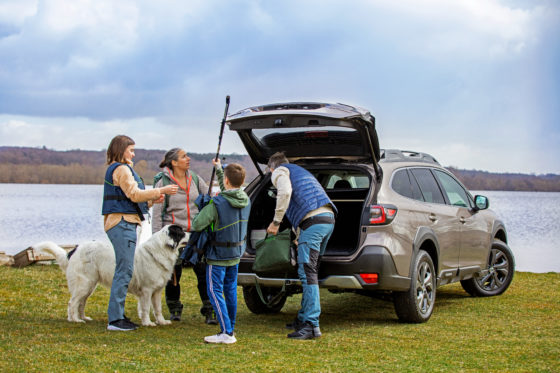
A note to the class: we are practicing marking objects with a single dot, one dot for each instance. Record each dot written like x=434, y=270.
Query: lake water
x=71, y=214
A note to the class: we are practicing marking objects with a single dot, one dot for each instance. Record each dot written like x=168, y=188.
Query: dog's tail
x=52, y=248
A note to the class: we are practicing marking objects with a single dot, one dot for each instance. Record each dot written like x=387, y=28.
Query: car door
x=442, y=219
x=475, y=232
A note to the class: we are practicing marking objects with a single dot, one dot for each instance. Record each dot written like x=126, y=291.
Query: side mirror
x=481, y=202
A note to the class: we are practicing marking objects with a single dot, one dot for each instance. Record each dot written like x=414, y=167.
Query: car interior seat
x=342, y=184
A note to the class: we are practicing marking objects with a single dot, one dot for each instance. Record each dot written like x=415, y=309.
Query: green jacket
x=208, y=216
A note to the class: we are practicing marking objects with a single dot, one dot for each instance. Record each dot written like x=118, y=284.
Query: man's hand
x=160, y=199
x=217, y=163
x=272, y=229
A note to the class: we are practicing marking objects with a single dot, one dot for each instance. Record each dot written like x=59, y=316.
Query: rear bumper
x=339, y=274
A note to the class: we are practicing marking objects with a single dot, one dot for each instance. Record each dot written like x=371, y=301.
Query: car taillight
x=382, y=214
x=369, y=278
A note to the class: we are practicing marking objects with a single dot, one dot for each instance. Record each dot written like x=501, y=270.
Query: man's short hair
x=235, y=174
x=277, y=159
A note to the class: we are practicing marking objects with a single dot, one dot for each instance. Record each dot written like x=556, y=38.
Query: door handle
x=462, y=220
x=432, y=217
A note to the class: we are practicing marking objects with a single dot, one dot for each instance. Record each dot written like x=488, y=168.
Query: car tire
x=256, y=305
x=417, y=304
x=500, y=267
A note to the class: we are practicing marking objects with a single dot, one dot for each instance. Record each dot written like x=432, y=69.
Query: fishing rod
x=219, y=144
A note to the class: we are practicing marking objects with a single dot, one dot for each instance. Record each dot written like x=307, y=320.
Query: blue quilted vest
x=307, y=194
x=229, y=238
x=114, y=199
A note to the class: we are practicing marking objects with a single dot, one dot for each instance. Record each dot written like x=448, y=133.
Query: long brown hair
x=117, y=147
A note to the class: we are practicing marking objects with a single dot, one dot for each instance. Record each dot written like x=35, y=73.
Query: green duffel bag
x=274, y=254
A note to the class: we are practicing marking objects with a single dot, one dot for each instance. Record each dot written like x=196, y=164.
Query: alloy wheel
x=498, y=270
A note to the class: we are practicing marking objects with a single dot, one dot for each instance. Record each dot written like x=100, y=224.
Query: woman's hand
x=169, y=189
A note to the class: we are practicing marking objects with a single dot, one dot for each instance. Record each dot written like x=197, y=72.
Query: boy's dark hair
x=277, y=159
x=117, y=147
x=235, y=174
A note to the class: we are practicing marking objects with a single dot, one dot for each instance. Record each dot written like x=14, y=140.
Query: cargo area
x=347, y=188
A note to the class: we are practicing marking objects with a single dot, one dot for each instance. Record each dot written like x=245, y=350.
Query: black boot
x=211, y=318
x=208, y=312
x=176, y=313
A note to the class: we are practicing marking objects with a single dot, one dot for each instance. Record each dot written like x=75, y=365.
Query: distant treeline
x=44, y=166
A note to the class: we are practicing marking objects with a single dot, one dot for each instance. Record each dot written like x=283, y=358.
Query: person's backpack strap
x=161, y=175
x=195, y=179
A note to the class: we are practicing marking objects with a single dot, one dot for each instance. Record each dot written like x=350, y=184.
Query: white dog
x=94, y=262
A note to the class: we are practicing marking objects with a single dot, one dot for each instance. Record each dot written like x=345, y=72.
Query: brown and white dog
x=94, y=262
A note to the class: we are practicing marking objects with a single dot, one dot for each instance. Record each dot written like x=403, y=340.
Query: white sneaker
x=220, y=338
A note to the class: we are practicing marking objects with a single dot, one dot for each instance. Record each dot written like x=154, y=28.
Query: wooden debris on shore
x=6, y=260
x=30, y=256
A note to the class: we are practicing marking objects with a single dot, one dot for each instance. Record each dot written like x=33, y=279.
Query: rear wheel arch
x=425, y=240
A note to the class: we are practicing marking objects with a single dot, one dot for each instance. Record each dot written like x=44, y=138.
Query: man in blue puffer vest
x=307, y=207
x=227, y=215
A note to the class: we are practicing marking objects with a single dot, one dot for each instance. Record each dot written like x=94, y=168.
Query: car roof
x=396, y=155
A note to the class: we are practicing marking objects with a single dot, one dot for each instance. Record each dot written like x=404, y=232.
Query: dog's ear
x=176, y=233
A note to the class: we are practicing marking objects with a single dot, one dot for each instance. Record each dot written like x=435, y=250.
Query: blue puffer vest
x=307, y=194
x=114, y=199
x=229, y=238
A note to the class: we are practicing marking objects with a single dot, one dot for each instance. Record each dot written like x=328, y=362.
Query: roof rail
x=395, y=155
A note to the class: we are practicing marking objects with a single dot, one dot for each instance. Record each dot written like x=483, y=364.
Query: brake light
x=382, y=214
x=369, y=278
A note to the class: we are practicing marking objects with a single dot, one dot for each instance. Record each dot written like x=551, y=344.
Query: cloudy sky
x=476, y=83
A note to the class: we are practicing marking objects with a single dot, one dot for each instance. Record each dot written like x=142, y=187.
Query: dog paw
x=76, y=320
x=148, y=323
x=86, y=318
x=164, y=322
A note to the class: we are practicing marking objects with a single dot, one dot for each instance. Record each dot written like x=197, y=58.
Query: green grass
x=518, y=331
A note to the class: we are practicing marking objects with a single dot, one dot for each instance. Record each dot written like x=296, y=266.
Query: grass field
x=518, y=332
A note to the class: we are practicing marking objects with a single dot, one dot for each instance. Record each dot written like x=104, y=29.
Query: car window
x=456, y=195
x=403, y=185
x=342, y=179
x=428, y=185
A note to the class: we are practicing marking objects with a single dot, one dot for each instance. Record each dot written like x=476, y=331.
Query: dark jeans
x=173, y=292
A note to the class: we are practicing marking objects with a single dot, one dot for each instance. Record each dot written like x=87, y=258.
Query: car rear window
x=428, y=185
x=403, y=185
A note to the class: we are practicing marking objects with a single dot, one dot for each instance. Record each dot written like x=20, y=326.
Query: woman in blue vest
x=307, y=207
x=125, y=201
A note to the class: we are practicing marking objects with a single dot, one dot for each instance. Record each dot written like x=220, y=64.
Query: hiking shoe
x=295, y=325
x=317, y=332
x=211, y=318
x=306, y=332
x=121, y=325
x=128, y=320
x=220, y=338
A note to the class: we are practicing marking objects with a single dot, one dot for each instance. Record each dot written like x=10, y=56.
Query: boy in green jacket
x=227, y=215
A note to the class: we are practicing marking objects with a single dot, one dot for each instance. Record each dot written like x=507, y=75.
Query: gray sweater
x=181, y=209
